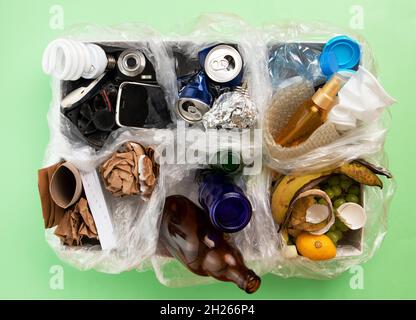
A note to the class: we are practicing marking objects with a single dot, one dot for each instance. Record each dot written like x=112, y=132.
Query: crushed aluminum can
x=194, y=99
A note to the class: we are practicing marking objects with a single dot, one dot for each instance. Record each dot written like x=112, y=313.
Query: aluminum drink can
x=194, y=100
x=222, y=64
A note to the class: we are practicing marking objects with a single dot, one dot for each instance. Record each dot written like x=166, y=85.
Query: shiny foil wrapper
x=232, y=110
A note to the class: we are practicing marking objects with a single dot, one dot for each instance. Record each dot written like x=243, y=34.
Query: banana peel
x=287, y=189
x=360, y=173
x=290, y=186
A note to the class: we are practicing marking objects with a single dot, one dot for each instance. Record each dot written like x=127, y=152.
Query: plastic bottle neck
x=325, y=97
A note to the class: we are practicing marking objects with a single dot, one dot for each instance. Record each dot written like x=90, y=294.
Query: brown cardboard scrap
x=77, y=226
x=52, y=213
x=130, y=171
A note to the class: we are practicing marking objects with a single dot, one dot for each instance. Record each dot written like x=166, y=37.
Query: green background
x=25, y=257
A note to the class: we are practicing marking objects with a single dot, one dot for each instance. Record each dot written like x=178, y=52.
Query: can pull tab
x=223, y=63
x=194, y=112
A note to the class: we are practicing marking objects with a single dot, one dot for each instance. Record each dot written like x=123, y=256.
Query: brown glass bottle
x=311, y=114
x=187, y=234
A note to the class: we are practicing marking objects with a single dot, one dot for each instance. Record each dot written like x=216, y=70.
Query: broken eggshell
x=327, y=227
x=316, y=213
x=352, y=215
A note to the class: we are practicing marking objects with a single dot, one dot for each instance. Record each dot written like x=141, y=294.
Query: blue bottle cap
x=328, y=63
x=340, y=52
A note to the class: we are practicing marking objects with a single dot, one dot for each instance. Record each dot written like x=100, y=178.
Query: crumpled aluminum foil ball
x=232, y=110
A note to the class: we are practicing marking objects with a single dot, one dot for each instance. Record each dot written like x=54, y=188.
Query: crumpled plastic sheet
x=295, y=59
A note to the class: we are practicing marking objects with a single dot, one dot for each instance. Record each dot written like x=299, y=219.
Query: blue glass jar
x=228, y=208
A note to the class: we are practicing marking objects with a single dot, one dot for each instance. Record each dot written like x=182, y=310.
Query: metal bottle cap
x=131, y=62
x=223, y=63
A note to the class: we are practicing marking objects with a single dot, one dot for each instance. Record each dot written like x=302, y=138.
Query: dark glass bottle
x=228, y=208
x=187, y=234
x=229, y=162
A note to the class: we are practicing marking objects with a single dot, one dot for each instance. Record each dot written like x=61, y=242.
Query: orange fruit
x=315, y=247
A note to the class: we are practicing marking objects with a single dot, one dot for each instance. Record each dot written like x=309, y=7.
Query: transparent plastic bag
x=359, y=142
x=376, y=204
x=295, y=59
x=258, y=241
x=136, y=222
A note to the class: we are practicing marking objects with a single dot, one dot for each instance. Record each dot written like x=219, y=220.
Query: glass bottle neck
x=244, y=278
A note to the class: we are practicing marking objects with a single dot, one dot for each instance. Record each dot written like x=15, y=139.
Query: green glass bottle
x=229, y=162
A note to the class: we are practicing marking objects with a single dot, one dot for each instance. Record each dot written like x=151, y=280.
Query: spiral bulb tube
x=67, y=59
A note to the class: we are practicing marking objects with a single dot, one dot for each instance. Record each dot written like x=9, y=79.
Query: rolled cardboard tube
x=65, y=186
